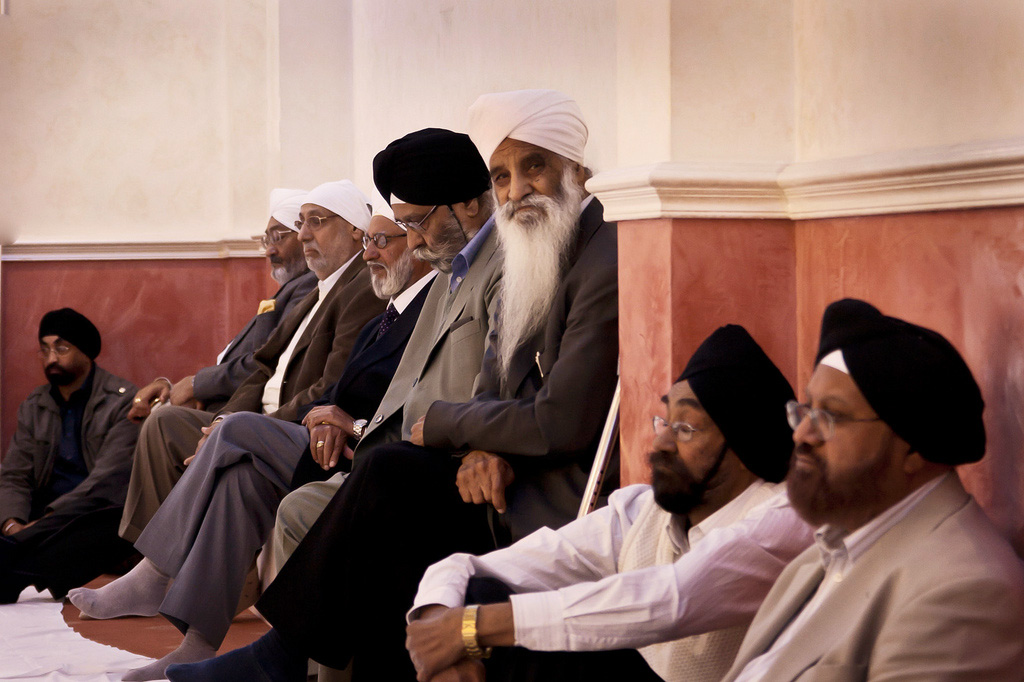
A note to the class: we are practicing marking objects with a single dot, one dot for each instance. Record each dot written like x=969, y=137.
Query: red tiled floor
x=153, y=637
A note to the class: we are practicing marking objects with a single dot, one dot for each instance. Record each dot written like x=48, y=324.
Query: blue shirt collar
x=463, y=261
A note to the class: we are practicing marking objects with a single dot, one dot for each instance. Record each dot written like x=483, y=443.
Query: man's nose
x=519, y=187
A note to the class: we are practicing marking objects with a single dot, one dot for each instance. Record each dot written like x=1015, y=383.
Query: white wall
x=169, y=120
x=901, y=74
x=133, y=120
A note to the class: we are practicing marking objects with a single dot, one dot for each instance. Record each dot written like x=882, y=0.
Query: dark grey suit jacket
x=546, y=419
x=214, y=385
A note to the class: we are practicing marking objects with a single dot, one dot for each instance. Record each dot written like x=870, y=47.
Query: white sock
x=137, y=593
x=192, y=649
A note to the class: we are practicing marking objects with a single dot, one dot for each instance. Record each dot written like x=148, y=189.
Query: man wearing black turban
x=63, y=481
x=909, y=579
x=602, y=581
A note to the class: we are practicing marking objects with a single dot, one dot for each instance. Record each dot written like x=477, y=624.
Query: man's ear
x=470, y=209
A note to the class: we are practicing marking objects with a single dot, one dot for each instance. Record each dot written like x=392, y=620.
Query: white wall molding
x=975, y=175
x=233, y=248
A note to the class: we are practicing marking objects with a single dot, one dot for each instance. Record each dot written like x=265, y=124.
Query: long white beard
x=536, y=244
x=393, y=280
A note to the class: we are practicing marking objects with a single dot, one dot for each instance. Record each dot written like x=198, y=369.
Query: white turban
x=343, y=198
x=285, y=205
x=546, y=118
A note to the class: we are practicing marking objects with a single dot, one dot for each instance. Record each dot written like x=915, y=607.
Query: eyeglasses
x=380, y=240
x=418, y=225
x=681, y=431
x=315, y=222
x=274, y=237
x=60, y=349
x=822, y=421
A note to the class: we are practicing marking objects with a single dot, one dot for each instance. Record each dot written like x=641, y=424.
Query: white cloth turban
x=546, y=118
x=343, y=198
x=285, y=205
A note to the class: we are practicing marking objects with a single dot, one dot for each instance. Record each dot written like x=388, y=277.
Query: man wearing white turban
x=302, y=357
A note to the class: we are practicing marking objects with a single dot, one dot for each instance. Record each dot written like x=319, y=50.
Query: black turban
x=745, y=394
x=430, y=167
x=912, y=377
x=73, y=327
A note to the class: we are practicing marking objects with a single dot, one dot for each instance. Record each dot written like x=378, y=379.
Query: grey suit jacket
x=940, y=596
x=546, y=418
x=443, y=358
x=214, y=385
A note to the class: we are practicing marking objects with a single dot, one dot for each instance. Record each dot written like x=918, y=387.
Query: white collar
x=402, y=300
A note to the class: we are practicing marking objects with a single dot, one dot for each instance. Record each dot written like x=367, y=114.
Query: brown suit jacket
x=940, y=596
x=323, y=348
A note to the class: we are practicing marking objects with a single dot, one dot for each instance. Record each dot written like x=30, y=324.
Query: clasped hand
x=435, y=646
x=329, y=429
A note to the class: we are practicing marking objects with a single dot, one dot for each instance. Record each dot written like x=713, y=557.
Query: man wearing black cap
x=439, y=172
x=63, y=480
x=908, y=580
x=603, y=582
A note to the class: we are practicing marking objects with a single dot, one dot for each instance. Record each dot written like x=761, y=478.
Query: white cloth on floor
x=38, y=645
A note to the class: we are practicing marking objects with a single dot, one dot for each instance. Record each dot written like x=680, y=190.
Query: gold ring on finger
x=319, y=443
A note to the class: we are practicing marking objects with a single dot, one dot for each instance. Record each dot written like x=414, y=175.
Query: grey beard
x=536, y=246
x=394, y=279
x=282, y=274
x=449, y=242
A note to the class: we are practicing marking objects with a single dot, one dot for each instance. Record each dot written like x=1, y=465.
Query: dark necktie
x=390, y=315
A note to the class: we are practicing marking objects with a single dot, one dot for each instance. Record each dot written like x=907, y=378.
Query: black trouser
x=344, y=593
x=61, y=551
x=513, y=664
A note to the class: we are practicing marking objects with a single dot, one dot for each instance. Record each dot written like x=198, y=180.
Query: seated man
x=426, y=168
x=210, y=387
x=214, y=521
x=303, y=356
x=62, y=482
x=908, y=579
x=543, y=395
x=716, y=467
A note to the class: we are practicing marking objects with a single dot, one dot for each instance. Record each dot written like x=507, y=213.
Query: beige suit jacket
x=443, y=357
x=940, y=596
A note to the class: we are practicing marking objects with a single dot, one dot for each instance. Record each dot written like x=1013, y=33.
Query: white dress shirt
x=272, y=389
x=571, y=597
x=402, y=301
x=839, y=552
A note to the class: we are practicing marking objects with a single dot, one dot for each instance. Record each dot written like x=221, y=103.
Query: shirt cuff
x=443, y=595
x=539, y=621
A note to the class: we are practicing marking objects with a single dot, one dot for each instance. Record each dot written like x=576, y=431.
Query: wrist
x=8, y=524
x=170, y=384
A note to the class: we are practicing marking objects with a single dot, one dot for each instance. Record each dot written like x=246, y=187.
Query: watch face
x=358, y=427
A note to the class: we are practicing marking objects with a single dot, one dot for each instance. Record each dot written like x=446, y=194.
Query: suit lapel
x=336, y=292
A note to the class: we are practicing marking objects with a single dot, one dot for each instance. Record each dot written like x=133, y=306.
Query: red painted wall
x=160, y=317
x=679, y=280
x=959, y=272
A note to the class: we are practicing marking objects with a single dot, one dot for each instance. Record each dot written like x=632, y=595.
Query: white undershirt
x=272, y=389
x=402, y=301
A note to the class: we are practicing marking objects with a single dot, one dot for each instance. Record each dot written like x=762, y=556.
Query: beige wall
x=132, y=120
x=170, y=120
x=900, y=74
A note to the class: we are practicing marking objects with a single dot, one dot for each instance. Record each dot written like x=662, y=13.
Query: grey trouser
x=217, y=517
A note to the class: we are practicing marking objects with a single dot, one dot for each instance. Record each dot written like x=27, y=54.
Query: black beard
x=58, y=376
x=679, y=492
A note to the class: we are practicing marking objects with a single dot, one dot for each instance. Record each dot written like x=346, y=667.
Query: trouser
x=296, y=514
x=63, y=550
x=347, y=587
x=168, y=437
x=512, y=664
x=215, y=520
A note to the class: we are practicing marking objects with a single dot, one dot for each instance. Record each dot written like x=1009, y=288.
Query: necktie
x=390, y=315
